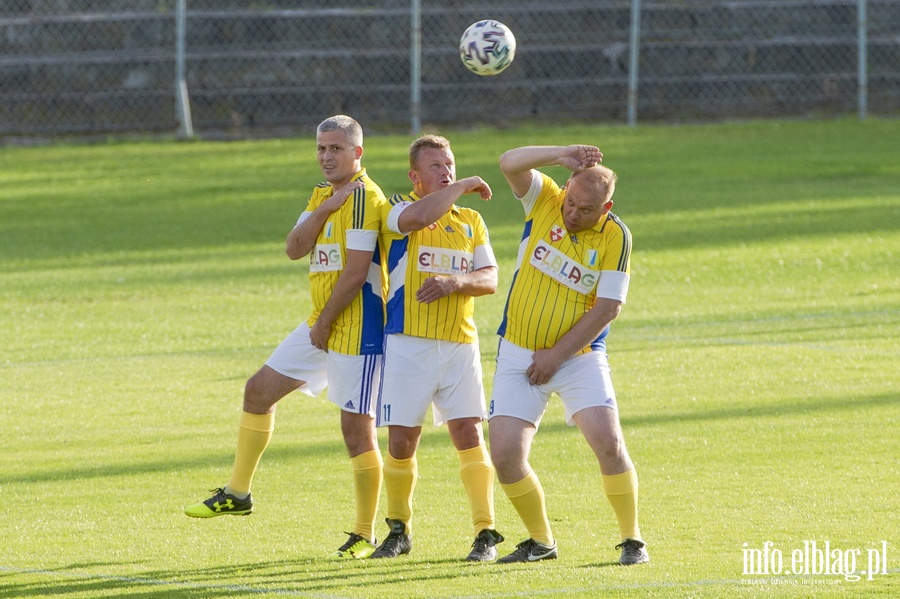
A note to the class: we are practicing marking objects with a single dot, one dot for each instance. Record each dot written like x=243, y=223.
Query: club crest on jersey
x=432, y=226
x=325, y=257
x=557, y=233
x=563, y=269
x=444, y=261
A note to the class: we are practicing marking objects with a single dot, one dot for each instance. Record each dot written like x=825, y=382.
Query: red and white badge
x=557, y=233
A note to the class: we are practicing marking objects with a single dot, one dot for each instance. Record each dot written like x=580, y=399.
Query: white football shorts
x=583, y=381
x=352, y=381
x=419, y=372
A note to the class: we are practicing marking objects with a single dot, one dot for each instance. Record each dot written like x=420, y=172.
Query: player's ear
x=414, y=177
x=607, y=206
x=358, y=152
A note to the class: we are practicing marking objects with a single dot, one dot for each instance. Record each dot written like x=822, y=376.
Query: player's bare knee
x=403, y=441
x=258, y=398
x=466, y=433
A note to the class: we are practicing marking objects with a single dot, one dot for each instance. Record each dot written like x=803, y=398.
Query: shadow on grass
x=328, y=449
x=796, y=406
x=302, y=450
x=284, y=450
x=293, y=578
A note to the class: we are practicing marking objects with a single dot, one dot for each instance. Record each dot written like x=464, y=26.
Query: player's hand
x=477, y=185
x=339, y=196
x=434, y=288
x=578, y=158
x=544, y=364
x=318, y=336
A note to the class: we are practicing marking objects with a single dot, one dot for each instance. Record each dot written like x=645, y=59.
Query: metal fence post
x=182, y=101
x=862, y=77
x=415, y=72
x=633, y=54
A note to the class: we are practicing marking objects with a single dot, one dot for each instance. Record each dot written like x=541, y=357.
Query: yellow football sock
x=254, y=433
x=477, y=475
x=367, y=477
x=622, y=492
x=400, y=482
x=527, y=496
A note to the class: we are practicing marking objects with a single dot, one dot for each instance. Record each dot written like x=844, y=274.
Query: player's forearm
x=480, y=282
x=302, y=238
x=347, y=287
x=429, y=209
x=524, y=159
x=343, y=294
x=588, y=327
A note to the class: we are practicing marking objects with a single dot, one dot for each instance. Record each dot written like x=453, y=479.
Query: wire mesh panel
x=86, y=66
x=752, y=58
x=272, y=66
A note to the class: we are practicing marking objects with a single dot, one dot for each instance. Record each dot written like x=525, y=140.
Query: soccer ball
x=487, y=47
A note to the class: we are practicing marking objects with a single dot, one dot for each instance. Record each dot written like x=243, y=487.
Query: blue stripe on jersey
x=372, y=334
x=396, y=199
x=501, y=330
x=394, y=323
x=396, y=252
x=599, y=344
x=396, y=305
x=526, y=233
x=372, y=321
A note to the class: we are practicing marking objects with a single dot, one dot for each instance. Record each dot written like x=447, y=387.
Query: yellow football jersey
x=457, y=243
x=557, y=272
x=359, y=330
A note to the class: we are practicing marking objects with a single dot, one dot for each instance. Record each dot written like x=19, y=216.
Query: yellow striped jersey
x=457, y=243
x=359, y=330
x=558, y=273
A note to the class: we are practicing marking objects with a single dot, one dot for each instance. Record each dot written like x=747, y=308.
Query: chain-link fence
x=276, y=66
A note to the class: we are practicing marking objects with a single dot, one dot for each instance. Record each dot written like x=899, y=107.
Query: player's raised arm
x=302, y=238
x=516, y=164
x=429, y=209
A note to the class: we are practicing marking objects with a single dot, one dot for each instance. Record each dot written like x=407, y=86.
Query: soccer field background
x=756, y=366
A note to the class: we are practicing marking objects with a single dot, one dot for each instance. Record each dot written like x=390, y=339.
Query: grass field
x=756, y=364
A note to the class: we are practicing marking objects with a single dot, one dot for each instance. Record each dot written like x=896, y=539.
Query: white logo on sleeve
x=325, y=257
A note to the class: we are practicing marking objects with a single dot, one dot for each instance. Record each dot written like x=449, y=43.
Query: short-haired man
x=439, y=260
x=570, y=282
x=339, y=345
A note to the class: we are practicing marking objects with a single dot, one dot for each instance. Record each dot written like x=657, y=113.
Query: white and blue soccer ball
x=487, y=47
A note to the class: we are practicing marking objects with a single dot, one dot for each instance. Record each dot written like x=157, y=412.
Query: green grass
x=756, y=364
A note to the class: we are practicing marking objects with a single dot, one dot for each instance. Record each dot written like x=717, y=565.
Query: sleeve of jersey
x=484, y=253
x=615, y=268
x=366, y=220
x=311, y=204
x=530, y=198
x=392, y=221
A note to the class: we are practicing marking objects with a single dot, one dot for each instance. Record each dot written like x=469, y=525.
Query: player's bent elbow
x=293, y=252
x=507, y=162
